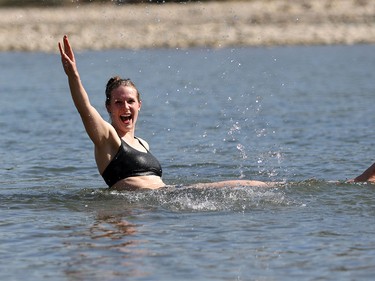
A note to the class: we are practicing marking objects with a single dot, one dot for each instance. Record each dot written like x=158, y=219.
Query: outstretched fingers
x=67, y=56
x=66, y=52
x=67, y=48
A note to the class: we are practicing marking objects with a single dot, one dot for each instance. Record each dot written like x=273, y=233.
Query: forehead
x=124, y=92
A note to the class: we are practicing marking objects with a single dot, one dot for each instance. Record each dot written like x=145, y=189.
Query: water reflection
x=109, y=243
x=112, y=226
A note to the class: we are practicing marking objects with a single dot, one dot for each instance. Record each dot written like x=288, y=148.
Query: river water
x=302, y=115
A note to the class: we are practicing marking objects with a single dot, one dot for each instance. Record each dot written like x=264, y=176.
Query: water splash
x=267, y=163
x=242, y=150
x=236, y=128
x=206, y=199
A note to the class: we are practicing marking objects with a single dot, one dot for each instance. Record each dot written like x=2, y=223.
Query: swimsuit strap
x=141, y=143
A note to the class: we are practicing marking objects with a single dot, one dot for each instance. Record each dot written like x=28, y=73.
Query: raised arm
x=96, y=127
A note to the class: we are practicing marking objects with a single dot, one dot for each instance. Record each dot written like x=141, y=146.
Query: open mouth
x=125, y=118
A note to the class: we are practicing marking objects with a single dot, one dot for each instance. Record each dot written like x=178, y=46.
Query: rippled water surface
x=301, y=115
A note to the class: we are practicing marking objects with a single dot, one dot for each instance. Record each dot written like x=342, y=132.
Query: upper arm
x=96, y=127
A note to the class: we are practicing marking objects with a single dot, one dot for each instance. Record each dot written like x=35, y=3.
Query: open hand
x=67, y=58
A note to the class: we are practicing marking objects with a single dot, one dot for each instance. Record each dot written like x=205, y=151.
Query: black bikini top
x=130, y=162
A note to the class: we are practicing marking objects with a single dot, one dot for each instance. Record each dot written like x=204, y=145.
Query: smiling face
x=123, y=107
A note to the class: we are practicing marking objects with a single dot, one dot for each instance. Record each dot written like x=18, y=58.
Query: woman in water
x=124, y=160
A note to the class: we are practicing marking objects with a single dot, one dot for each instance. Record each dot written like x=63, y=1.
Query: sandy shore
x=212, y=24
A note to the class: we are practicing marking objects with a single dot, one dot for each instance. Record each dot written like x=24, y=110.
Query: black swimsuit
x=130, y=162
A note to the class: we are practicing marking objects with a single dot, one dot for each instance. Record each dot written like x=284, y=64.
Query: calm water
x=303, y=115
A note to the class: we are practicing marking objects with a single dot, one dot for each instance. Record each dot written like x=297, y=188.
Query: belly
x=139, y=182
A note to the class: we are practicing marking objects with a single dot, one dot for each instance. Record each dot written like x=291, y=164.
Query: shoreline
x=193, y=24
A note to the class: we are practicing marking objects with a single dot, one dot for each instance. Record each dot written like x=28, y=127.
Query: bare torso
x=139, y=182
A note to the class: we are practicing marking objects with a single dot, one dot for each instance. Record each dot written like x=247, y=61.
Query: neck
x=127, y=135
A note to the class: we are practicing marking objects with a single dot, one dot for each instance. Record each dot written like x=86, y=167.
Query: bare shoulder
x=109, y=142
x=106, y=150
x=145, y=143
x=113, y=141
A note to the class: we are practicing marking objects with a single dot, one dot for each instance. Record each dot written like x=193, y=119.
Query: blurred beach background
x=100, y=25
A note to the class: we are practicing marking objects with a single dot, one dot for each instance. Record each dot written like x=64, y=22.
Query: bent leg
x=368, y=175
